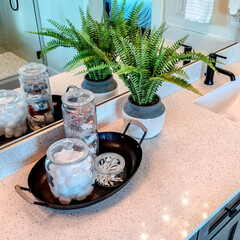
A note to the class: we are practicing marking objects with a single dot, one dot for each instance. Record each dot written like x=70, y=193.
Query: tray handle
x=20, y=190
x=139, y=125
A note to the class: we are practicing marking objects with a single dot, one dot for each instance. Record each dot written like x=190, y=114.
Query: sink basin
x=224, y=100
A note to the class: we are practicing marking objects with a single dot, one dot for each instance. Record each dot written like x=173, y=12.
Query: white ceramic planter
x=102, y=90
x=152, y=117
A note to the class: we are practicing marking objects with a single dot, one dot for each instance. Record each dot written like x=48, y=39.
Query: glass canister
x=13, y=114
x=34, y=81
x=69, y=170
x=79, y=115
x=109, y=169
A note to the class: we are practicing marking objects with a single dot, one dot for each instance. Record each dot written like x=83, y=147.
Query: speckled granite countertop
x=186, y=173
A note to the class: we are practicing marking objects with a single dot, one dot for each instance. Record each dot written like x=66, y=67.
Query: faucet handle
x=214, y=56
x=187, y=48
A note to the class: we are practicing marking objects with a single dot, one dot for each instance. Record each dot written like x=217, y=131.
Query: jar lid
x=32, y=69
x=76, y=97
x=8, y=98
x=109, y=163
x=67, y=151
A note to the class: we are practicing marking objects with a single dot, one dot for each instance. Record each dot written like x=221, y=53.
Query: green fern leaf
x=177, y=81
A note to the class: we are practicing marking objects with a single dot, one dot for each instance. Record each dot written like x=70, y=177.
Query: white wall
x=219, y=26
x=13, y=27
x=157, y=12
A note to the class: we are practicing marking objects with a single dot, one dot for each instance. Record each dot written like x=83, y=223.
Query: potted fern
x=143, y=65
x=94, y=46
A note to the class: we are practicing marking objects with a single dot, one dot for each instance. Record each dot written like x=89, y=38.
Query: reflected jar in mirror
x=69, y=170
x=79, y=115
x=34, y=82
x=13, y=114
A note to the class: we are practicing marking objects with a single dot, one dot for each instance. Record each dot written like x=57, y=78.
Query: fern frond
x=99, y=67
x=134, y=14
x=61, y=28
x=53, y=44
x=125, y=69
x=77, y=61
x=93, y=46
x=180, y=72
x=177, y=81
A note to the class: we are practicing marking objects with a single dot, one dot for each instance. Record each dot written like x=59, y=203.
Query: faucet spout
x=226, y=72
x=210, y=72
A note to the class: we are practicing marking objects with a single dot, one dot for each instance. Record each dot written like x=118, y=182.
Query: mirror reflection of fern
x=69, y=36
x=93, y=43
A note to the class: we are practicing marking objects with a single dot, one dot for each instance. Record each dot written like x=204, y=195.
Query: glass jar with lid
x=34, y=82
x=13, y=114
x=69, y=170
x=109, y=169
x=79, y=115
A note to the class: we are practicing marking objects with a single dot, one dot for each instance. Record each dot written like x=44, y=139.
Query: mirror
x=209, y=24
x=218, y=33
x=17, y=47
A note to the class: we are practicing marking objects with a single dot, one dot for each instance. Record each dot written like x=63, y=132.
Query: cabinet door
x=225, y=224
x=231, y=231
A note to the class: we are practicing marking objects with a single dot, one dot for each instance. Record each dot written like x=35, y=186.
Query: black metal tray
x=119, y=143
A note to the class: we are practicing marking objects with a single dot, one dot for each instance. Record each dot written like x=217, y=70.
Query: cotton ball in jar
x=12, y=111
x=74, y=181
x=64, y=171
x=86, y=178
x=19, y=115
x=18, y=132
x=70, y=173
x=2, y=123
x=64, y=190
x=53, y=169
x=64, y=200
x=86, y=191
x=76, y=191
x=9, y=132
x=55, y=191
x=59, y=180
x=11, y=124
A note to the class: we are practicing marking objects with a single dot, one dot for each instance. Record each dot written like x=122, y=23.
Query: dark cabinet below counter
x=224, y=225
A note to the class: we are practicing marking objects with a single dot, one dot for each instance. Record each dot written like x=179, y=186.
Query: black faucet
x=186, y=50
x=210, y=71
